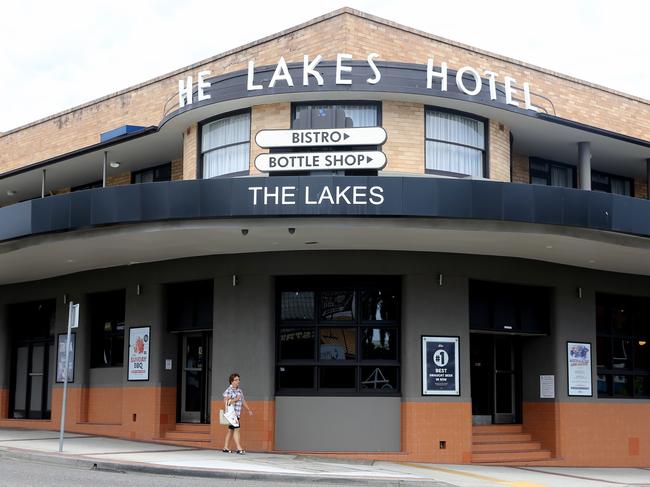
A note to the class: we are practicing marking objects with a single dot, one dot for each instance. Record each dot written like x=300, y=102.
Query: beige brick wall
x=190, y=149
x=640, y=188
x=499, y=163
x=520, y=168
x=177, y=170
x=404, y=148
x=119, y=179
x=345, y=31
x=274, y=116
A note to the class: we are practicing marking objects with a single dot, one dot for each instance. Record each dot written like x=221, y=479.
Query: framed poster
x=60, y=356
x=440, y=366
x=139, y=340
x=579, y=368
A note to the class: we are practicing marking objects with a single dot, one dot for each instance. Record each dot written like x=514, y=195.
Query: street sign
x=321, y=137
x=320, y=161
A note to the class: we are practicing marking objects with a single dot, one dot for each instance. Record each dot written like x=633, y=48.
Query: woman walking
x=233, y=396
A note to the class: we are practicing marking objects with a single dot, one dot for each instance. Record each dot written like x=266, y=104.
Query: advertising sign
x=547, y=387
x=60, y=357
x=139, y=340
x=579, y=368
x=320, y=161
x=440, y=366
x=321, y=137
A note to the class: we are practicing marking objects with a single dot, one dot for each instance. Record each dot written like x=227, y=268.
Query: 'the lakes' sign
x=468, y=79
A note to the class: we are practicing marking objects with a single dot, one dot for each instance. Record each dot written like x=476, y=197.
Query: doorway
x=495, y=376
x=195, y=377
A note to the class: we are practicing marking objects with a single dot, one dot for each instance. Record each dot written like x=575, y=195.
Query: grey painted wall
x=244, y=323
x=337, y=423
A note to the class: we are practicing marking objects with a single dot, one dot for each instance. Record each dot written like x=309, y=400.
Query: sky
x=57, y=55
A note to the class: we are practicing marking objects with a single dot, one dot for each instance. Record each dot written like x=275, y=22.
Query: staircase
x=505, y=444
x=189, y=434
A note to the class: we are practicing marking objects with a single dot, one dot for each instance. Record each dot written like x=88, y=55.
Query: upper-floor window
x=609, y=183
x=225, y=145
x=551, y=173
x=335, y=115
x=455, y=143
x=153, y=174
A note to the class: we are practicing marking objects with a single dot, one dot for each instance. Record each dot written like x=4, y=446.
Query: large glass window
x=335, y=115
x=610, y=183
x=622, y=348
x=454, y=143
x=225, y=145
x=551, y=173
x=338, y=335
x=153, y=174
x=106, y=313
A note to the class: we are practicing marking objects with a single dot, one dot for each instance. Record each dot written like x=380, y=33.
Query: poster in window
x=139, y=340
x=60, y=357
x=440, y=370
x=579, y=368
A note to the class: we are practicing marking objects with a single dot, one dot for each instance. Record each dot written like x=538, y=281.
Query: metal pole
x=65, y=378
x=647, y=176
x=104, y=169
x=43, y=185
x=584, y=165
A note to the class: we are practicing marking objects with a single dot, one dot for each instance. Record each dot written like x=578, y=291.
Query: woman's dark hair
x=232, y=377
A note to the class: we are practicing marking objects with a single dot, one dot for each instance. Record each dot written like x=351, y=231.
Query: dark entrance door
x=31, y=388
x=195, y=377
x=495, y=373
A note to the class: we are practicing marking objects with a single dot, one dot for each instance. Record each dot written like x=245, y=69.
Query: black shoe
x=241, y=452
x=225, y=450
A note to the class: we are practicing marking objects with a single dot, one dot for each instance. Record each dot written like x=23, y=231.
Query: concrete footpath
x=102, y=453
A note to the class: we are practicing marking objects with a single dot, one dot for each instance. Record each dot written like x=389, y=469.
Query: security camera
x=244, y=231
x=291, y=230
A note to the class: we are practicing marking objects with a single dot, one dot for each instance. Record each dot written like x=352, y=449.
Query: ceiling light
x=549, y=246
x=114, y=164
x=11, y=192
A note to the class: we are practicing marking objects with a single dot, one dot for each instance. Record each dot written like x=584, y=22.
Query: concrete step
x=511, y=456
x=192, y=427
x=500, y=437
x=497, y=428
x=187, y=436
x=509, y=446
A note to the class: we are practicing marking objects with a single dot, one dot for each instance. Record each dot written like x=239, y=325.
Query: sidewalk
x=121, y=455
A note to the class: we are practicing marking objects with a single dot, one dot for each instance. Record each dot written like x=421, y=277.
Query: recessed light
x=592, y=261
x=549, y=246
x=114, y=164
x=11, y=192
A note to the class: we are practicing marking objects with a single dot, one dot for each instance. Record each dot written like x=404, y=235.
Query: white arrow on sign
x=321, y=137
x=320, y=161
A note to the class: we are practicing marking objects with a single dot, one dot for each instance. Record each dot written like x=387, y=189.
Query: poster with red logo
x=139, y=339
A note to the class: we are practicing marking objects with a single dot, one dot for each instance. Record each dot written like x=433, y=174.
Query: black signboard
x=440, y=370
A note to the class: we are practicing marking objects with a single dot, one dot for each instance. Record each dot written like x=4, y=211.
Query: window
x=622, y=347
x=106, y=314
x=153, y=174
x=338, y=336
x=96, y=184
x=335, y=115
x=455, y=144
x=495, y=306
x=225, y=145
x=551, y=173
x=610, y=183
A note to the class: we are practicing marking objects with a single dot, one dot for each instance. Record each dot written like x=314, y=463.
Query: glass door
x=31, y=391
x=504, y=380
x=195, y=378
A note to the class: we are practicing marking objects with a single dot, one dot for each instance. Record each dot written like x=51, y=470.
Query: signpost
x=321, y=137
x=73, y=322
x=320, y=161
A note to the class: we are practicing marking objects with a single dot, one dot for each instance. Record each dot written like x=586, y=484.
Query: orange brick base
x=578, y=434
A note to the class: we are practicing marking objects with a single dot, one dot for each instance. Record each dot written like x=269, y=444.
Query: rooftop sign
x=468, y=81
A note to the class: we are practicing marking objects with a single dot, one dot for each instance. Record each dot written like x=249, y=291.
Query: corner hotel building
x=465, y=280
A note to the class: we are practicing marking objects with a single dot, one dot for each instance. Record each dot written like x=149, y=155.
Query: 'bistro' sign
x=468, y=79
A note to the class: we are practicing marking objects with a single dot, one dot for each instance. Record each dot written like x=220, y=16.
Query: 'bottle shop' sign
x=468, y=80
